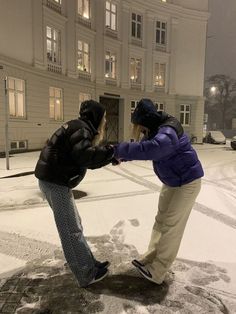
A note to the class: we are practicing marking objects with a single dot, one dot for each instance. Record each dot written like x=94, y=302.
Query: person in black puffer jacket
x=62, y=165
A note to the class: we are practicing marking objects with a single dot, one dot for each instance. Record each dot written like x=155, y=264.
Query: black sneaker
x=136, y=263
x=105, y=264
x=101, y=273
x=146, y=274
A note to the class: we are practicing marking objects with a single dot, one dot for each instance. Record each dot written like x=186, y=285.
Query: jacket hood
x=146, y=114
x=92, y=111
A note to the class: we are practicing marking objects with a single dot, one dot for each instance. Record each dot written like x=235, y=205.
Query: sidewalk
x=118, y=210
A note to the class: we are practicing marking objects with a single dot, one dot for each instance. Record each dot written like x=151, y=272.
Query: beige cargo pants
x=174, y=207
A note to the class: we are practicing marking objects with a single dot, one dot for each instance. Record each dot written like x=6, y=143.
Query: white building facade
x=57, y=53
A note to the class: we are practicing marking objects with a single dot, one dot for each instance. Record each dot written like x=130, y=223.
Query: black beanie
x=92, y=111
x=146, y=114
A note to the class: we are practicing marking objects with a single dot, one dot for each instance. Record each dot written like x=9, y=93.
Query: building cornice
x=22, y=66
x=171, y=9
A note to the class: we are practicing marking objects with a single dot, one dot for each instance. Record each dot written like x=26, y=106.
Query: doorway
x=112, y=116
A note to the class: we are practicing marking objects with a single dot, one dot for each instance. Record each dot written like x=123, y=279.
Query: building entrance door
x=112, y=117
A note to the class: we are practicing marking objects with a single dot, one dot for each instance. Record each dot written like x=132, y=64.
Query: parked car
x=233, y=142
x=214, y=137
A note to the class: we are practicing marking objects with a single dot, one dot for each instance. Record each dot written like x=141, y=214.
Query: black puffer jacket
x=69, y=152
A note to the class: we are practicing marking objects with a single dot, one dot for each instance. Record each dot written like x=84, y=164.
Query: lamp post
x=6, y=121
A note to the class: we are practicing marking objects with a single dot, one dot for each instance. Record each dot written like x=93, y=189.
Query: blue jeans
x=76, y=250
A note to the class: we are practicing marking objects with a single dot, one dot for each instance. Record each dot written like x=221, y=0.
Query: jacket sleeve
x=161, y=146
x=86, y=155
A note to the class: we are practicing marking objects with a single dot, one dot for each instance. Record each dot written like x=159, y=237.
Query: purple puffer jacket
x=175, y=162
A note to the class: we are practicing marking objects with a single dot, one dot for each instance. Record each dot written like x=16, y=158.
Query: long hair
x=139, y=131
x=101, y=131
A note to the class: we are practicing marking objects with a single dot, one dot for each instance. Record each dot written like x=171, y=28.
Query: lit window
x=83, y=97
x=83, y=56
x=53, y=45
x=161, y=28
x=136, y=26
x=84, y=8
x=160, y=73
x=58, y=1
x=111, y=15
x=55, y=104
x=110, y=65
x=135, y=70
x=185, y=114
x=16, y=92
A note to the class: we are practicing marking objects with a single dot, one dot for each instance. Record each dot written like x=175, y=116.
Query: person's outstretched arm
x=162, y=145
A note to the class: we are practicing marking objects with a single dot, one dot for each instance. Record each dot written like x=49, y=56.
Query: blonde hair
x=137, y=132
x=101, y=131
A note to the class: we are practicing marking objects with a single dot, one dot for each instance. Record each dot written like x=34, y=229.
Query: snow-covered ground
x=126, y=196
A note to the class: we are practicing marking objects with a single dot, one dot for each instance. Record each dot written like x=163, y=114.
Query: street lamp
x=6, y=121
x=213, y=89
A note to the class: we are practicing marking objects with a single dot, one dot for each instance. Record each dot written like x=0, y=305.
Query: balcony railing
x=54, y=6
x=84, y=21
x=110, y=32
x=136, y=41
x=135, y=85
x=110, y=81
x=160, y=47
x=84, y=75
x=55, y=68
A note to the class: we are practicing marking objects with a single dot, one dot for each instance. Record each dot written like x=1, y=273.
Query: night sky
x=221, y=38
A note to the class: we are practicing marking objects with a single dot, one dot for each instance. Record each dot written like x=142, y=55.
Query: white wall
x=15, y=41
x=201, y=5
x=190, y=57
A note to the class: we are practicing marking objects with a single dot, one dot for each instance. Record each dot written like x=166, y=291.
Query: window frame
x=158, y=106
x=136, y=71
x=83, y=9
x=55, y=98
x=161, y=31
x=53, y=41
x=136, y=23
x=112, y=63
x=83, y=53
x=184, y=113
x=84, y=98
x=158, y=72
x=111, y=14
x=133, y=105
x=15, y=93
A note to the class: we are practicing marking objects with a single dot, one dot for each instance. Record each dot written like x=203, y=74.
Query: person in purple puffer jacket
x=176, y=164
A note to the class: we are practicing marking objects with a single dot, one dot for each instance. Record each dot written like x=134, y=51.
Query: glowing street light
x=213, y=89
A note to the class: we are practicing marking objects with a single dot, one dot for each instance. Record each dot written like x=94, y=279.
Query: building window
x=161, y=35
x=135, y=70
x=55, y=104
x=160, y=74
x=19, y=145
x=159, y=106
x=53, y=45
x=185, y=114
x=111, y=15
x=136, y=26
x=133, y=105
x=83, y=97
x=16, y=92
x=110, y=65
x=83, y=56
x=84, y=8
